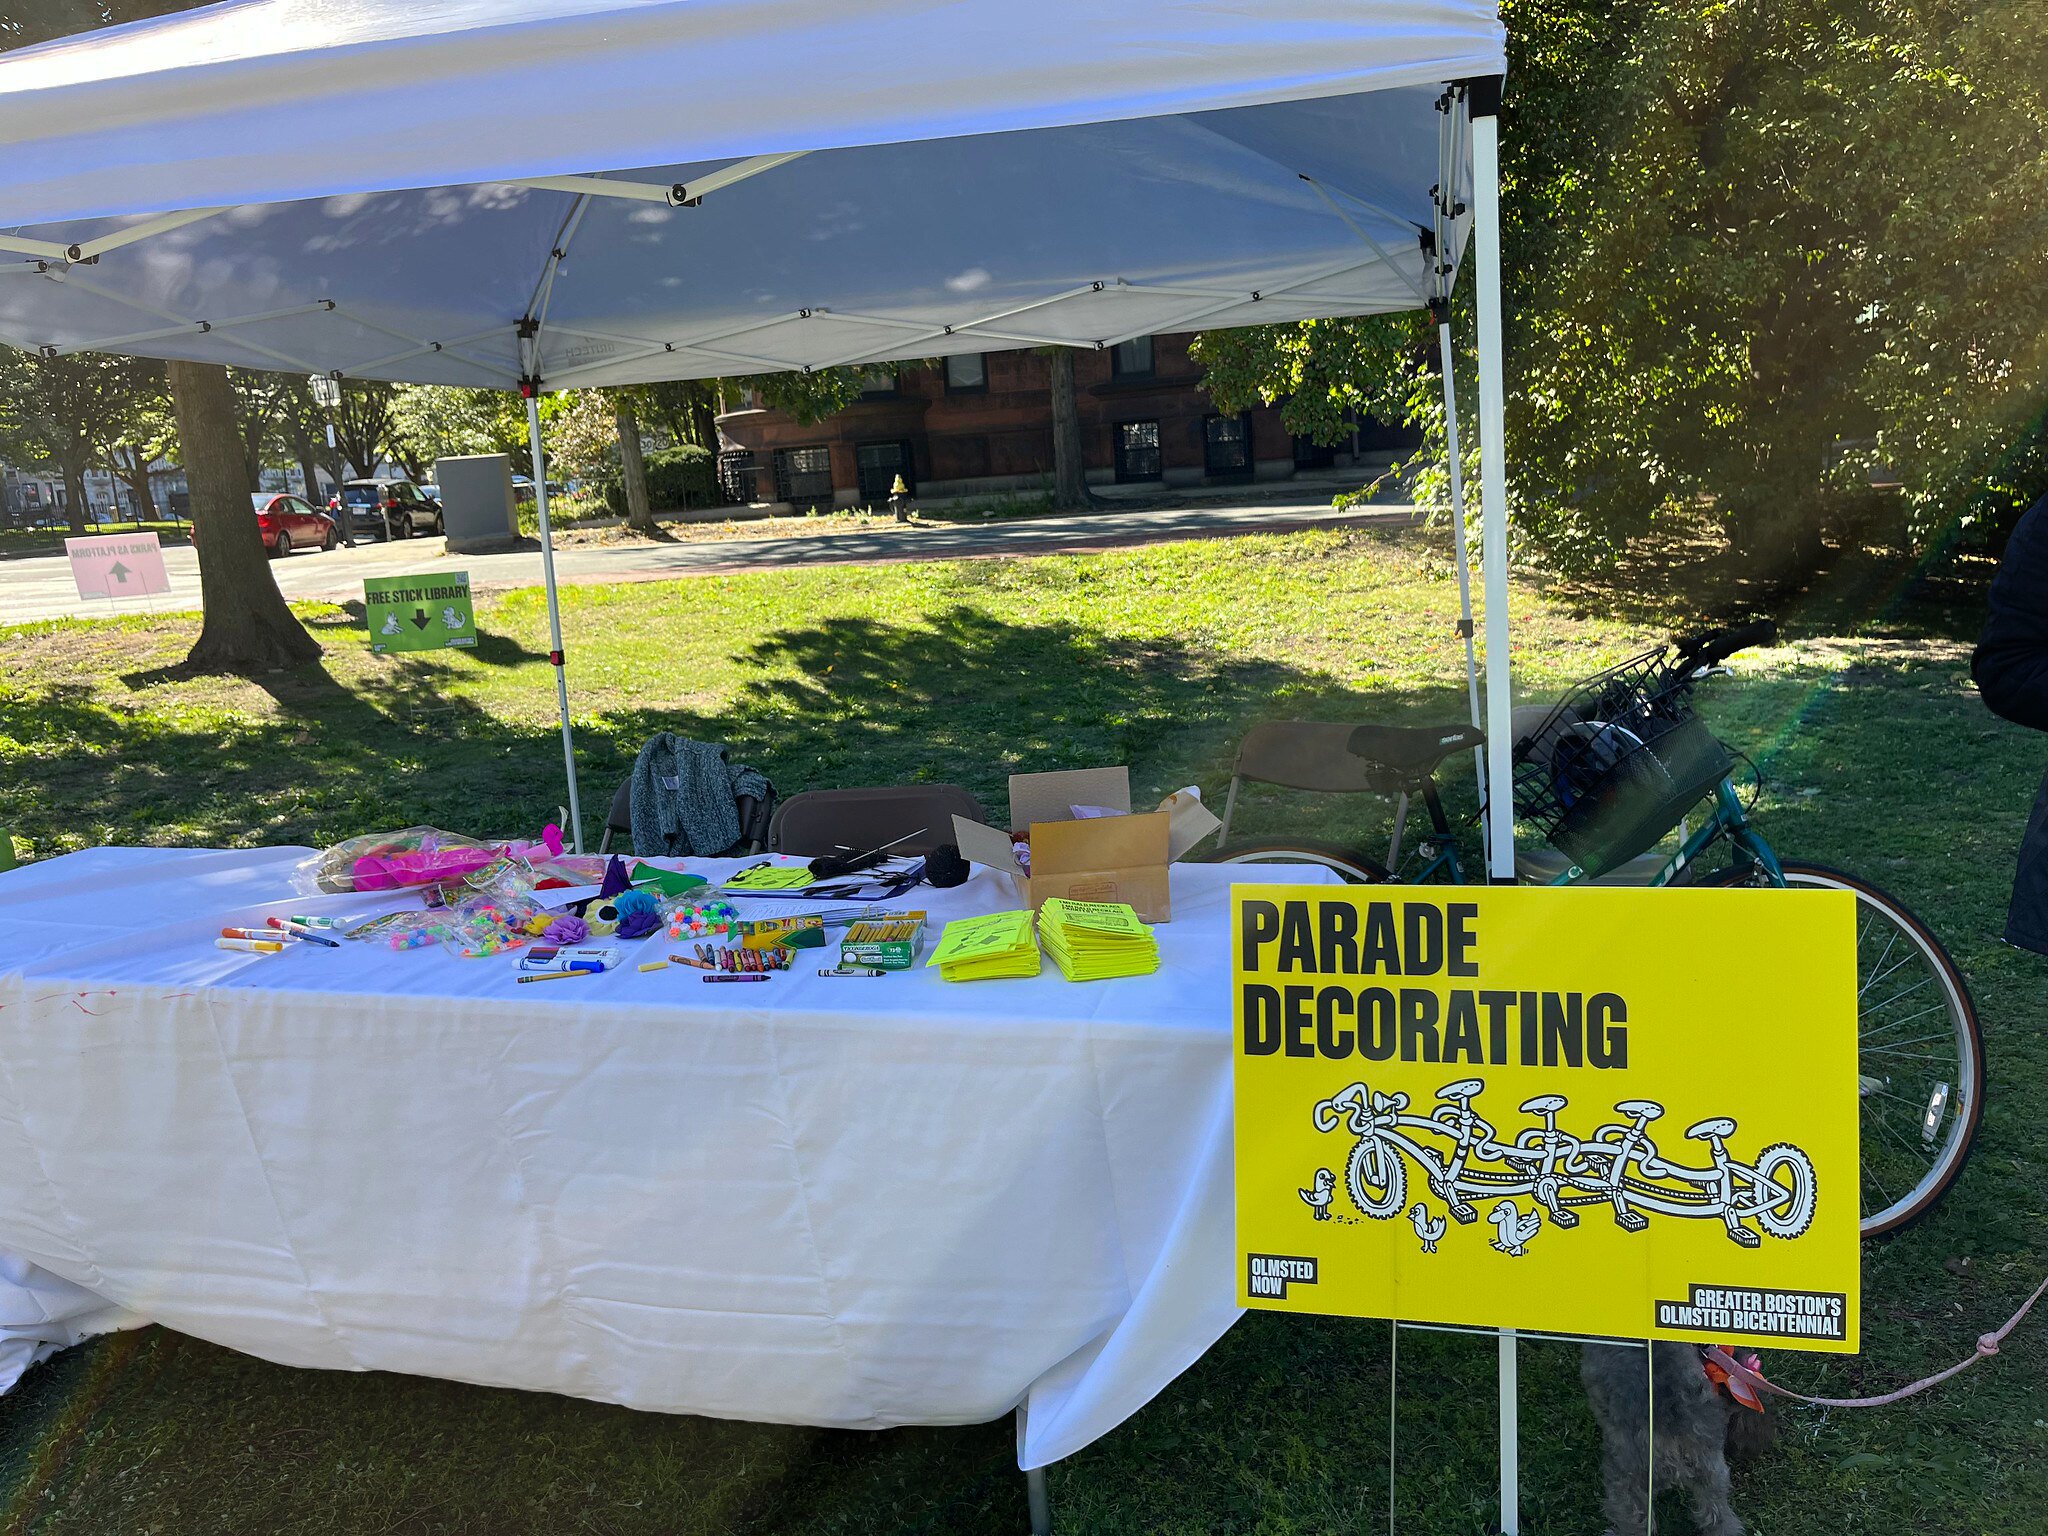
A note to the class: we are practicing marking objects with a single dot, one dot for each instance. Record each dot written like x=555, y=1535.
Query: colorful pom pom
x=567, y=930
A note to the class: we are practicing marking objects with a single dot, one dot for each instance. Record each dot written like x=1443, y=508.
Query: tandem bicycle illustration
x=1466, y=1163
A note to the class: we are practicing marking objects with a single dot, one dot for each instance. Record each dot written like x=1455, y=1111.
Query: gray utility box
x=476, y=499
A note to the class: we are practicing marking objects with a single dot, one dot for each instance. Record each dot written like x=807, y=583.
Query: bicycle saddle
x=1642, y=1109
x=1544, y=1104
x=1464, y=1088
x=1706, y=1130
x=1412, y=752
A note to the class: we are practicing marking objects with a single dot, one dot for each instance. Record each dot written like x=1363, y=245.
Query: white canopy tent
x=545, y=194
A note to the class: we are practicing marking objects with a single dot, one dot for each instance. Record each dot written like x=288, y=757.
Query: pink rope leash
x=1987, y=1345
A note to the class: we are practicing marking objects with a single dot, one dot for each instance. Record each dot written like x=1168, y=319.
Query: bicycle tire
x=1394, y=1196
x=1896, y=1214
x=1803, y=1190
x=1353, y=867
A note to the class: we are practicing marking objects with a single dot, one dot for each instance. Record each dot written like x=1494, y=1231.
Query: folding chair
x=822, y=821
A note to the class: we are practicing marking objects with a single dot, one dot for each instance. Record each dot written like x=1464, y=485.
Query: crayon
x=738, y=976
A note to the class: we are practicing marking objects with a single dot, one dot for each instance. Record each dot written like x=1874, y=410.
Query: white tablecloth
x=843, y=1202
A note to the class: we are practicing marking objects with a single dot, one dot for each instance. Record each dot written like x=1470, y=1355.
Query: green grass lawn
x=1877, y=755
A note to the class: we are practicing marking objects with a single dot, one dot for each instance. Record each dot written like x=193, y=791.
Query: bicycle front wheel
x=1920, y=1054
x=1351, y=866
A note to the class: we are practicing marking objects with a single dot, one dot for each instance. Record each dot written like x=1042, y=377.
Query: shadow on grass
x=959, y=696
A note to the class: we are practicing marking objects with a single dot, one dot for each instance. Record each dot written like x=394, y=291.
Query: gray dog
x=1698, y=1428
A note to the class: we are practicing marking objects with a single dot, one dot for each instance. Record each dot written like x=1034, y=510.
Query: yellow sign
x=1630, y=1113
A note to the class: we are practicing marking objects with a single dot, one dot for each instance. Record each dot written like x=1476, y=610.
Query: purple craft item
x=567, y=930
x=638, y=925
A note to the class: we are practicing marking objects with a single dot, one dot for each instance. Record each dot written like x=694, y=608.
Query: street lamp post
x=326, y=388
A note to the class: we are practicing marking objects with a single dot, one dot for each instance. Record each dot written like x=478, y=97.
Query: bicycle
x=1618, y=1166
x=1620, y=761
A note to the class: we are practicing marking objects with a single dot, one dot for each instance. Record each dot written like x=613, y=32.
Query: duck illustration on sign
x=1320, y=1193
x=1463, y=1159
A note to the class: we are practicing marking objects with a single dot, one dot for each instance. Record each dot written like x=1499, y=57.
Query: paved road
x=42, y=588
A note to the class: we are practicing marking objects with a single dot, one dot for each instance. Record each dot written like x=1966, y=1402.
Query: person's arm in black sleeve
x=2011, y=664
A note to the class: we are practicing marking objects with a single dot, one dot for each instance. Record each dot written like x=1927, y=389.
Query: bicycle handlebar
x=1714, y=646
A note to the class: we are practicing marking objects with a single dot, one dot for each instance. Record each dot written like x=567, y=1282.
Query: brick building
x=982, y=424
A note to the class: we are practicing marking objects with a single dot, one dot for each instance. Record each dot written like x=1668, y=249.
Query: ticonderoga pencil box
x=889, y=943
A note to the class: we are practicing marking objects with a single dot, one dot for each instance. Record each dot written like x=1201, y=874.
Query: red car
x=289, y=523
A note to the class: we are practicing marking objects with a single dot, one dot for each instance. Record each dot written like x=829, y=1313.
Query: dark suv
x=387, y=509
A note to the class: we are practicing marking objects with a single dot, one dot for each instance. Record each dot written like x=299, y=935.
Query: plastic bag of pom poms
x=413, y=856
x=697, y=916
x=475, y=938
x=404, y=930
x=486, y=925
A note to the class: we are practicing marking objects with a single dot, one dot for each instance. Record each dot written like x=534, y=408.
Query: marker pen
x=304, y=922
x=853, y=970
x=257, y=946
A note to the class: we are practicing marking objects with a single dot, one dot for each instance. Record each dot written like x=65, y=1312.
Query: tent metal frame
x=1468, y=133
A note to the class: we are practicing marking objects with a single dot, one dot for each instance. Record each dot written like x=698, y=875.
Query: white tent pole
x=1484, y=96
x=1493, y=483
x=547, y=570
x=1452, y=449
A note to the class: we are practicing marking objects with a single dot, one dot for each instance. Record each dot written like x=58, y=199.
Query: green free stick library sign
x=419, y=613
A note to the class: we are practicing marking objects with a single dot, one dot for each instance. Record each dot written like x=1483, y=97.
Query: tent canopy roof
x=380, y=187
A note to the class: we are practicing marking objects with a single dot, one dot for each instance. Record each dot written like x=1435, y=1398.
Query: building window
x=1310, y=454
x=967, y=374
x=878, y=383
x=1137, y=450
x=1227, y=447
x=880, y=464
x=1131, y=359
x=803, y=474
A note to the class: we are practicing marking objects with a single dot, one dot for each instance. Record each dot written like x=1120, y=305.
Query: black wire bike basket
x=1617, y=764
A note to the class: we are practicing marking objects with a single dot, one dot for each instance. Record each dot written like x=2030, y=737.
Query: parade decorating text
x=1384, y=1018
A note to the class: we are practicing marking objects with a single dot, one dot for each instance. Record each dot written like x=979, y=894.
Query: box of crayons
x=890, y=943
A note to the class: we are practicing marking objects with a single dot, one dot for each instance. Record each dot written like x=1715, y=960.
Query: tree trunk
x=1069, y=472
x=704, y=421
x=639, y=510
x=74, y=496
x=309, y=471
x=247, y=627
x=138, y=482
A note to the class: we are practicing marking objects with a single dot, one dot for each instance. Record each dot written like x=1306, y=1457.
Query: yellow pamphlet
x=983, y=948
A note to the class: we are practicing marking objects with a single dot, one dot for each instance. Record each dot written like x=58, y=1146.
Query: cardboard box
x=1100, y=858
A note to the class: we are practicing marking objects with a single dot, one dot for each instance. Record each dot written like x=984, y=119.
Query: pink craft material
x=567, y=930
x=432, y=866
x=1987, y=1346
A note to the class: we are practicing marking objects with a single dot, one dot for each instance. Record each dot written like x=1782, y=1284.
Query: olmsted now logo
x=1268, y=1274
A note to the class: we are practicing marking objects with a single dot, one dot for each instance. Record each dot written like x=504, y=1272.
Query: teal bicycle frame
x=1730, y=820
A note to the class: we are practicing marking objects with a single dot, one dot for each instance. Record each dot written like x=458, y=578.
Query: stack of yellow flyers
x=1091, y=940
x=979, y=948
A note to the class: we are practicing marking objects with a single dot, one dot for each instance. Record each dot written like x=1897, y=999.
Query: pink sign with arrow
x=118, y=565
